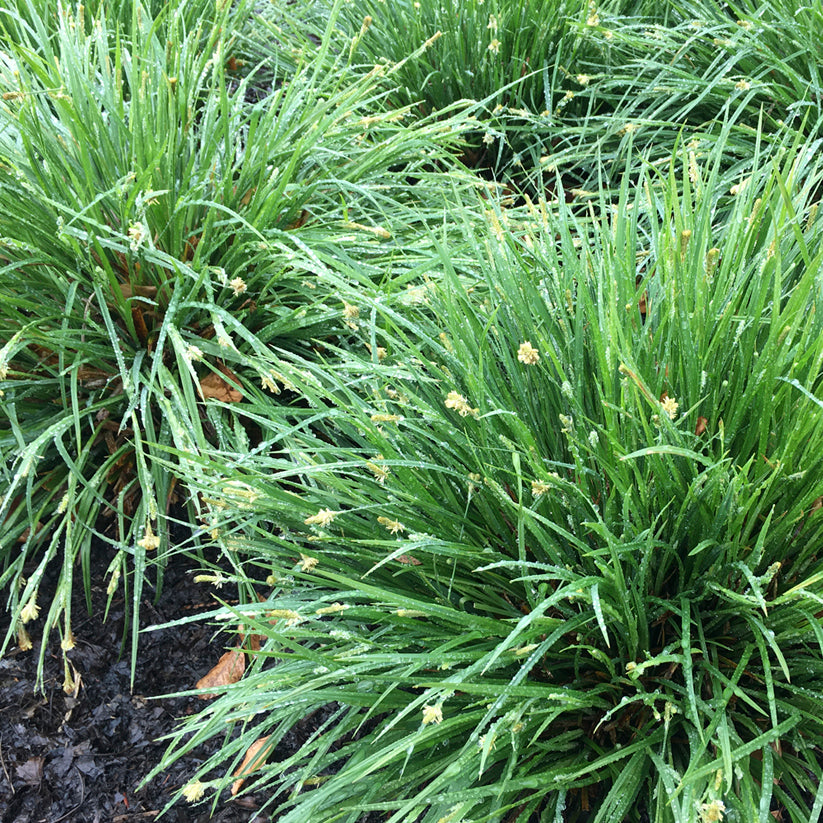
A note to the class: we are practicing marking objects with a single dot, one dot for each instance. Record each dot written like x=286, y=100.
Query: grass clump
x=556, y=554
x=557, y=84
x=164, y=223
x=521, y=488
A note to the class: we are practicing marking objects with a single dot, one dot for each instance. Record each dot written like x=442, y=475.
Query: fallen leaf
x=253, y=640
x=140, y=327
x=702, y=422
x=72, y=681
x=301, y=220
x=643, y=305
x=47, y=356
x=27, y=533
x=191, y=247
x=229, y=669
x=93, y=378
x=233, y=64
x=215, y=385
x=128, y=290
x=252, y=761
x=408, y=560
x=31, y=771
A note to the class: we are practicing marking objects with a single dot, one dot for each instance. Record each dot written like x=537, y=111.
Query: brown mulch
x=81, y=759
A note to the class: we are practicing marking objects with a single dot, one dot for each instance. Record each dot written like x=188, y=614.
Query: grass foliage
x=153, y=217
x=519, y=478
x=599, y=567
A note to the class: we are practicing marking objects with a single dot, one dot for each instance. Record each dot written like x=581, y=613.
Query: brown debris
x=408, y=560
x=252, y=761
x=129, y=290
x=229, y=669
x=218, y=386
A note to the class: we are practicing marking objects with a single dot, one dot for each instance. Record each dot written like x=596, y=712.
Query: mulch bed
x=81, y=759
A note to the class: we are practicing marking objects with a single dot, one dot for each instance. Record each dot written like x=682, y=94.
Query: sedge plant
x=552, y=549
x=163, y=228
x=557, y=83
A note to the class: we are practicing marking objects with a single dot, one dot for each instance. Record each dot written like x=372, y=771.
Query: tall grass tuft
x=165, y=223
x=520, y=483
x=557, y=85
x=553, y=550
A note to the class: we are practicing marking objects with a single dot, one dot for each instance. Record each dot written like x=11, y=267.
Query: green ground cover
x=482, y=339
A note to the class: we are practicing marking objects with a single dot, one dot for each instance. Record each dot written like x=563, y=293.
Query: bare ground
x=81, y=759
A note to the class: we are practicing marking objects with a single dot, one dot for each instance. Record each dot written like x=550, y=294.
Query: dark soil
x=81, y=759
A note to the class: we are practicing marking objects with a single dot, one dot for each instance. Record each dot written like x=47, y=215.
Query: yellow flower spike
x=394, y=526
x=528, y=354
x=538, y=488
x=712, y=812
x=23, y=640
x=380, y=472
x=386, y=418
x=238, y=286
x=193, y=792
x=323, y=518
x=137, y=233
x=332, y=609
x=307, y=563
x=455, y=400
x=712, y=256
x=30, y=610
x=193, y=353
x=432, y=714
x=670, y=406
x=593, y=18
x=685, y=237
x=291, y=617
x=114, y=580
x=267, y=382
x=150, y=540
x=350, y=315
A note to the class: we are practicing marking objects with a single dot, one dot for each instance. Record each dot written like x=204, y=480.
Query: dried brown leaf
x=93, y=378
x=408, y=560
x=31, y=772
x=301, y=220
x=217, y=386
x=140, y=327
x=47, y=356
x=252, y=641
x=128, y=290
x=643, y=304
x=702, y=422
x=191, y=247
x=252, y=761
x=229, y=669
